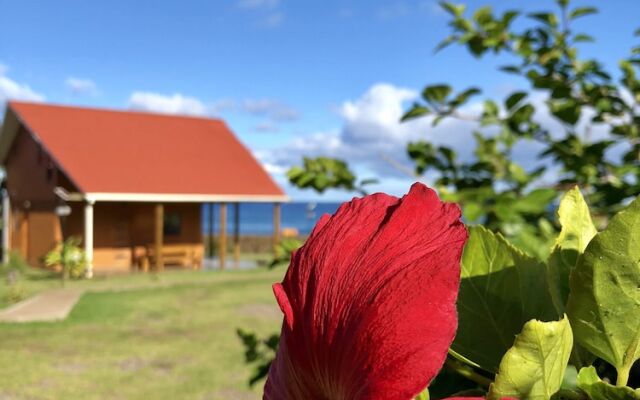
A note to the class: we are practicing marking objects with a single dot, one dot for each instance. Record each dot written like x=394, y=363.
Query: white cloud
x=222, y=105
x=12, y=90
x=168, y=104
x=266, y=127
x=272, y=109
x=371, y=133
x=81, y=86
x=375, y=117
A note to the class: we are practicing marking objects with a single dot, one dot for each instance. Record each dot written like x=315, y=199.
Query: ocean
x=257, y=218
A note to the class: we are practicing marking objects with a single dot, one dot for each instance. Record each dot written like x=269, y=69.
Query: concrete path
x=51, y=305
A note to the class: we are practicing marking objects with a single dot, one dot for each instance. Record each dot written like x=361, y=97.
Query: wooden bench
x=183, y=255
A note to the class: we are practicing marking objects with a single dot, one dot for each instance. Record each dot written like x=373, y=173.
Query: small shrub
x=70, y=257
x=15, y=293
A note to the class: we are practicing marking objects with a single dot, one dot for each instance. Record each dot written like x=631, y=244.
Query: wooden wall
x=120, y=227
x=31, y=176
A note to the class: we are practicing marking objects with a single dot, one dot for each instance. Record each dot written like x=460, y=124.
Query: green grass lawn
x=166, y=336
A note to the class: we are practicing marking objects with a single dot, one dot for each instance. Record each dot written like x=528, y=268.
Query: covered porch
x=135, y=233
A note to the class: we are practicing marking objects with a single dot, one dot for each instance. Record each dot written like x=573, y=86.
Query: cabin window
x=172, y=224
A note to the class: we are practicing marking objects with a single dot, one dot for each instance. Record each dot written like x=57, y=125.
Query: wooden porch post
x=236, y=234
x=88, y=236
x=159, y=230
x=212, y=220
x=222, y=251
x=276, y=224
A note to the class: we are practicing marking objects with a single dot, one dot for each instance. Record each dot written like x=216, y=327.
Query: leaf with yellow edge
x=534, y=367
x=577, y=231
x=596, y=389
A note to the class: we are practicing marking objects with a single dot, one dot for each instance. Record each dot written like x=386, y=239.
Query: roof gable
x=105, y=151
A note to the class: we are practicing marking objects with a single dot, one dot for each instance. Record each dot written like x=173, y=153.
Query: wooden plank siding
x=122, y=228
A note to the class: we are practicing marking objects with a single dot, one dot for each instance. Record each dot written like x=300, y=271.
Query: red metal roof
x=107, y=151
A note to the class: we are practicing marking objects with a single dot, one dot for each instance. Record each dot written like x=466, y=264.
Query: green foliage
x=548, y=62
x=284, y=250
x=15, y=263
x=14, y=271
x=501, y=289
x=604, y=303
x=534, y=367
x=591, y=384
x=70, y=257
x=323, y=173
x=259, y=352
x=15, y=293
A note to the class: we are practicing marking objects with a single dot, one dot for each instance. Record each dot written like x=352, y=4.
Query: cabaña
x=133, y=184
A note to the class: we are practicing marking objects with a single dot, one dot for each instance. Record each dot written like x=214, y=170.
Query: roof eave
x=176, y=198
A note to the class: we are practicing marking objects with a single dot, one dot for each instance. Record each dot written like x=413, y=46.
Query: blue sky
x=290, y=77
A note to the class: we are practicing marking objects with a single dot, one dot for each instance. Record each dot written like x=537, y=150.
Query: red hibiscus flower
x=369, y=301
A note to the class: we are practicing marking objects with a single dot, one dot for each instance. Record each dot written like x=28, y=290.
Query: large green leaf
x=436, y=93
x=596, y=389
x=604, y=303
x=501, y=289
x=534, y=367
x=577, y=231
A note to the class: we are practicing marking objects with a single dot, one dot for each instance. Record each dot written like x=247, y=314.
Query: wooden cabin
x=131, y=185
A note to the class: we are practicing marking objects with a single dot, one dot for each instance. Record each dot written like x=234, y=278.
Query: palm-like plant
x=70, y=257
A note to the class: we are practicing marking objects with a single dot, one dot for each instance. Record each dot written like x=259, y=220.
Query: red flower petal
x=369, y=300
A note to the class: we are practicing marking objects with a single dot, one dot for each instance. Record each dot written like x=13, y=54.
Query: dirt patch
x=267, y=311
x=134, y=364
x=72, y=368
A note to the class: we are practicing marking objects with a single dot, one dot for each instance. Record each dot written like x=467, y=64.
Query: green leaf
x=453, y=9
x=512, y=69
x=583, y=38
x=535, y=201
x=523, y=114
x=577, y=231
x=464, y=96
x=416, y=111
x=436, y=93
x=566, y=110
x=472, y=211
x=483, y=15
x=582, y=11
x=534, y=367
x=501, y=289
x=491, y=110
x=546, y=18
x=604, y=303
x=446, y=42
x=514, y=99
x=596, y=389
x=423, y=396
